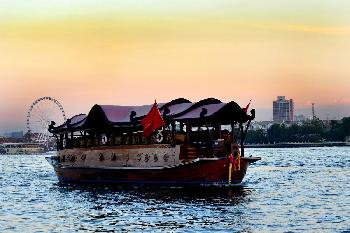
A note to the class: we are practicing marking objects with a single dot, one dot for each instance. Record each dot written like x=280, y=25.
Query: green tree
x=256, y=136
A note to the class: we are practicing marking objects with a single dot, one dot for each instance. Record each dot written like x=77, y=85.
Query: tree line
x=310, y=131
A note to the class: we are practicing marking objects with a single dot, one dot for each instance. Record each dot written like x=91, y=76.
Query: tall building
x=283, y=110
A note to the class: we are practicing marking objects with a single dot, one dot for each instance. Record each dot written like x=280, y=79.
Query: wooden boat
x=193, y=147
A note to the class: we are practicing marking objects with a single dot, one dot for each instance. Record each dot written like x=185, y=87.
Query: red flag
x=152, y=121
x=246, y=107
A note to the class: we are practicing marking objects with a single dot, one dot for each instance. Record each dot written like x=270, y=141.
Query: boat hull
x=200, y=172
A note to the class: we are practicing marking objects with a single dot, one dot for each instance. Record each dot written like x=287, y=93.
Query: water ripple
x=290, y=190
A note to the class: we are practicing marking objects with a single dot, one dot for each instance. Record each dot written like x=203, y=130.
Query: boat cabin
x=205, y=129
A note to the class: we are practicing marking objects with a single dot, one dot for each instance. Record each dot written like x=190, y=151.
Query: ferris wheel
x=40, y=114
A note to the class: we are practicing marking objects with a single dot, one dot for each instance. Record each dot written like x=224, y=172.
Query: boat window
x=226, y=127
x=202, y=135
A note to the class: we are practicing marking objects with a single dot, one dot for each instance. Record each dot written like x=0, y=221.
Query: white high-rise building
x=283, y=110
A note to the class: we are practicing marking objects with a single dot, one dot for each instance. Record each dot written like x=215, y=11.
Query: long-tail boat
x=196, y=145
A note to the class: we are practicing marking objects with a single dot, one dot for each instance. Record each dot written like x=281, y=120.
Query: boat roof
x=75, y=122
x=104, y=117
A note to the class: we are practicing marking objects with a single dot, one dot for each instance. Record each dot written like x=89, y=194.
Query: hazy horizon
x=130, y=53
x=262, y=114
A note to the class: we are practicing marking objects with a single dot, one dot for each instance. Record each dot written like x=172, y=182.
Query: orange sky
x=120, y=53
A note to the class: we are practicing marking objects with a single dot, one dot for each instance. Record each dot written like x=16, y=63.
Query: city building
x=283, y=109
x=301, y=118
x=261, y=125
x=17, y=134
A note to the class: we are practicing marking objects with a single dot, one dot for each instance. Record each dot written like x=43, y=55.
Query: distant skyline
x=330, y=112
x=132, y=52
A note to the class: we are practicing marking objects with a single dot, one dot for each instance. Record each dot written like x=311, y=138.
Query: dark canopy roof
x=107, y=117
x=74, y=122
x=220, y=112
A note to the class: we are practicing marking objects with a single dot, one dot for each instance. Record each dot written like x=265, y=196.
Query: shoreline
x=298, y=145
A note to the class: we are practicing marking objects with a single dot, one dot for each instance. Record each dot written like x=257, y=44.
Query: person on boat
x=227, y=141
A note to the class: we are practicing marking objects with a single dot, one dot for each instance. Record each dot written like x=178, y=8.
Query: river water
x=289, y=190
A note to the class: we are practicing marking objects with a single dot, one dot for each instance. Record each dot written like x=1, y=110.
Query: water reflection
x=108, y=207
x=209, y=195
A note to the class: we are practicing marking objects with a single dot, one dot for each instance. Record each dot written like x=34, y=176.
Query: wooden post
x=71, y=139
x=243, y=135
x=85, y=141
x=67, y=141
x=242, y=139
x=232, y=132
x=173, y=132
x=61, y=142
x=57, y=142
x=188, y=127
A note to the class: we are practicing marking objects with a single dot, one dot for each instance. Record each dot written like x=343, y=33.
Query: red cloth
x=236, y=164
x=152, y=121
x=246, y=108
x=231, y=159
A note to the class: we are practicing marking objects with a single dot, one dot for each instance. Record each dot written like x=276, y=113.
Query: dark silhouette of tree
x=311, y=131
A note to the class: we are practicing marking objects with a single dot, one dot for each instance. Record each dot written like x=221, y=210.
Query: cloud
x=304, y=28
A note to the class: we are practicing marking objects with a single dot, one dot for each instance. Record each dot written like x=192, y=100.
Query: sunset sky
x=84, y=52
